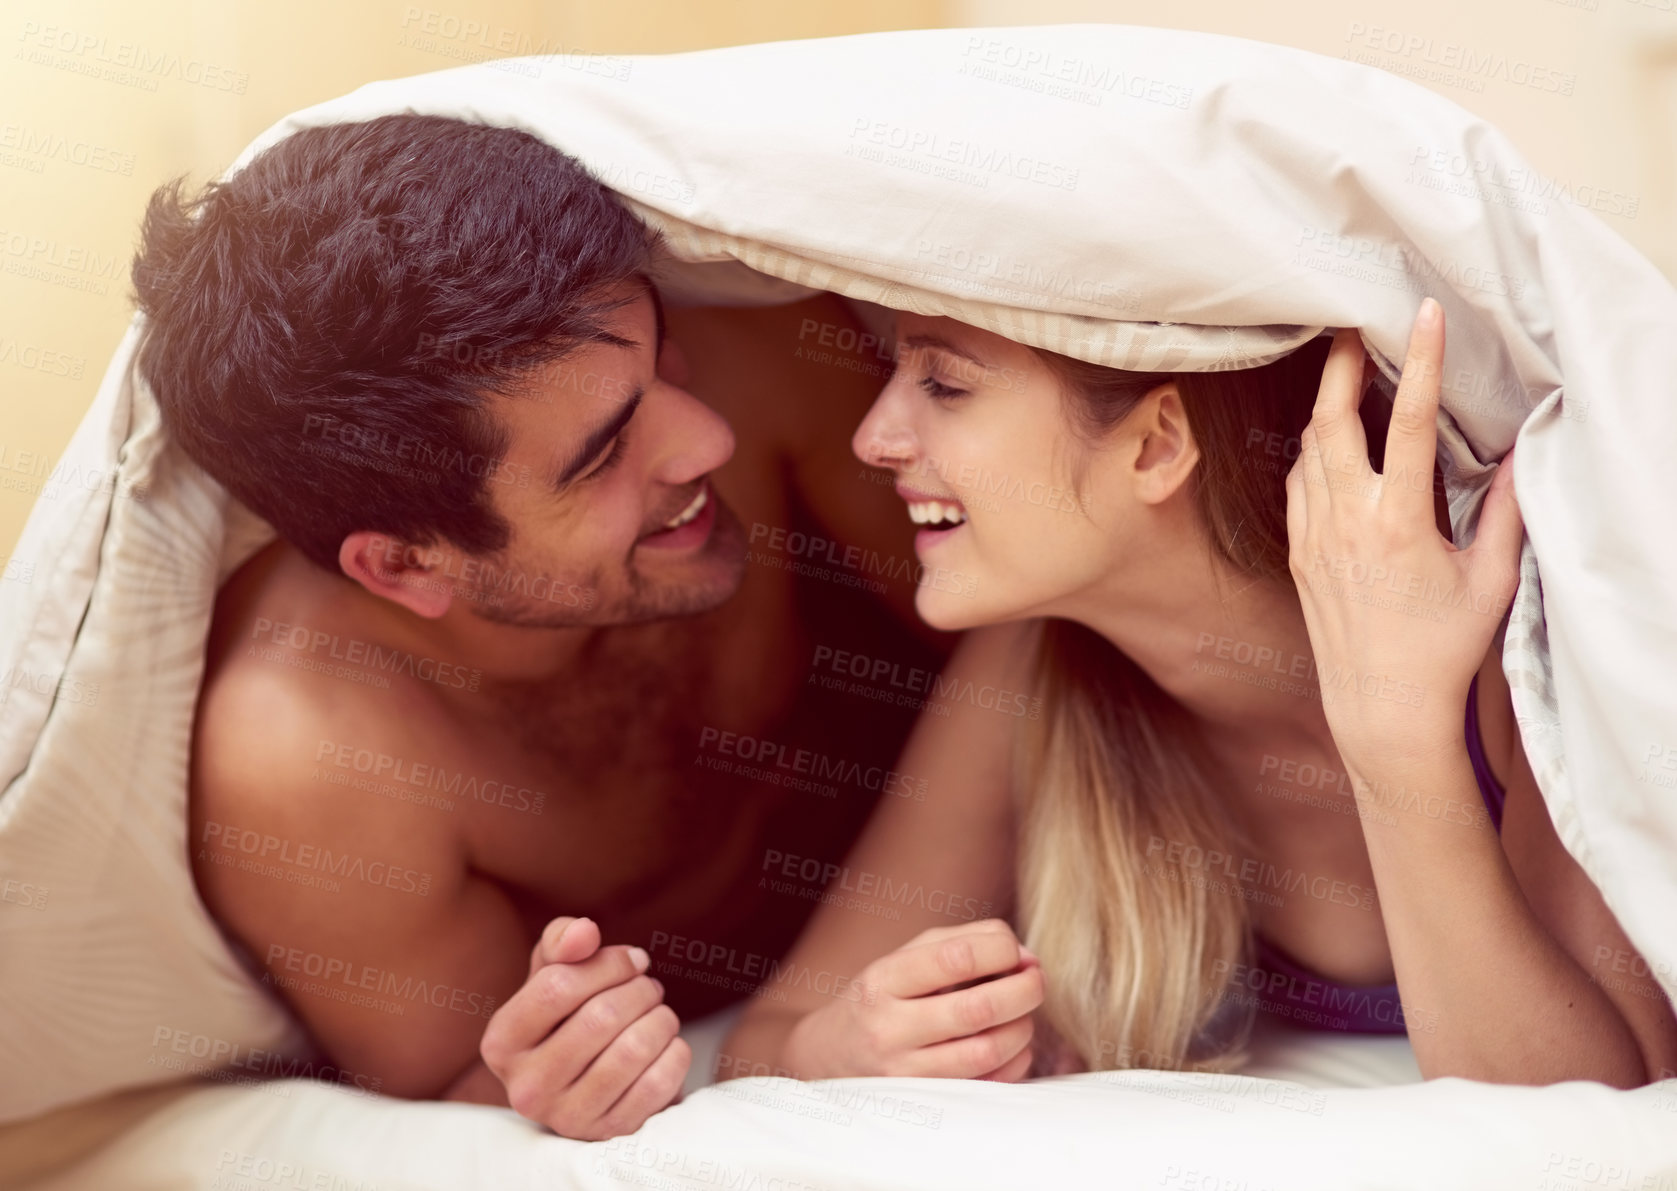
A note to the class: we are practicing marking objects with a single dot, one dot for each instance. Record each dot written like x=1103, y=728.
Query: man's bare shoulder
x=293, y=752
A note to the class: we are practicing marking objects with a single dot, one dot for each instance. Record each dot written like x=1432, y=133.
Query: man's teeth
x=691, y=511
x=930, y=512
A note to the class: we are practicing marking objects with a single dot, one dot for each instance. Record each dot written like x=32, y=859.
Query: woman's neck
x=1231, y=649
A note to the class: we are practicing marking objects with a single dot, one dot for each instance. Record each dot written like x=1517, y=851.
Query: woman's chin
x=951, y=612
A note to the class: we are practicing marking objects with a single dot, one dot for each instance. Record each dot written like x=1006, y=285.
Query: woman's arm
x=1499, y=944
x=947, y=853
x=1512, y=968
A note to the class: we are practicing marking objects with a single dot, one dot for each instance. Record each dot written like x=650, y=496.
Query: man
x=478, y=730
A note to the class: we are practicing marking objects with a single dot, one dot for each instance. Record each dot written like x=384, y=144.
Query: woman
x=1269, y=762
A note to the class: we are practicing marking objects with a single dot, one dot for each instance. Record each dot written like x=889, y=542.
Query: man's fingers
x=969, y=1058
x=636, y=1047
x=565, y=940
x=1412, y=440
x=655, y=1090
x=586, y=1034
x=550, y=996
x=919, y=970
x=973, y=1010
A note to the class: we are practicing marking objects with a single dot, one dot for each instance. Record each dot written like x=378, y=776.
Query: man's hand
x=587, y=1047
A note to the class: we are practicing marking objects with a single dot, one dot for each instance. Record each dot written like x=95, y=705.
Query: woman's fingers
x=1412, y=440
x=976, y=1009
x=975, y=1055
x=921, y=969
x=1015, y=1069
x=1335, y=426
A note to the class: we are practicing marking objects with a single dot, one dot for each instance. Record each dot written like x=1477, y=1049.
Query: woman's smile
x=941, y=515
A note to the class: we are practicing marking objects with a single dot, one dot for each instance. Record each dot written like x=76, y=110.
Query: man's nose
x=698, y=439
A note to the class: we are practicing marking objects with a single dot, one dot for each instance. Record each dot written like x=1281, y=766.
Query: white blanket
x=1140, y=197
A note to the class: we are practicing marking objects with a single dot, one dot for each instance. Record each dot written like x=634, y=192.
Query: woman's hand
x=918, y=1013
x=1399, y=618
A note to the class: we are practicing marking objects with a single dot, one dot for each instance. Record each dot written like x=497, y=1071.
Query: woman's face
x=1020, y=515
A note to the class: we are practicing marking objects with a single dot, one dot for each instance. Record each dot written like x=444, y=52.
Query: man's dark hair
x=323, y=328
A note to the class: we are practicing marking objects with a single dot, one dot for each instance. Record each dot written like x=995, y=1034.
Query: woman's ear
x=1167, y=451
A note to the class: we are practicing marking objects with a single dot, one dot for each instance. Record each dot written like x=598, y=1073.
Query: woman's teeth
x=930, y=512
x=691, y=511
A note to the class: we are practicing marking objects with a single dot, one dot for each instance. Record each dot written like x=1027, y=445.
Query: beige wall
x=100, y=100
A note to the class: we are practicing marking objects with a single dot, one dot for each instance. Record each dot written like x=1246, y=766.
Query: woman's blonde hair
x=1137, y=946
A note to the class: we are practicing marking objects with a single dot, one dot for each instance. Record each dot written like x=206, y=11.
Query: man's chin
x=695, y=583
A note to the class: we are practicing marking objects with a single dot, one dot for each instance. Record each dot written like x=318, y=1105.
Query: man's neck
x=503, y=655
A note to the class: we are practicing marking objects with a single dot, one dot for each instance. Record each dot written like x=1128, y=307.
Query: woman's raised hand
x=1399, y=617
x=953, y=1002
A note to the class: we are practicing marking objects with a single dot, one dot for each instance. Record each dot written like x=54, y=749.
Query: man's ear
x=1167, y=450
x=398, y=571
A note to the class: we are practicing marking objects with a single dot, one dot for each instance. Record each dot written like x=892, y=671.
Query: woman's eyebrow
x=939, y=343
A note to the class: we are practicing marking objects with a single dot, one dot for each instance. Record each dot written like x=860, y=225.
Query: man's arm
x=395, y=981
x=372, y=926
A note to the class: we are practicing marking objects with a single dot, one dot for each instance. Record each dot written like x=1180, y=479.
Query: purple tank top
x=1286, y=989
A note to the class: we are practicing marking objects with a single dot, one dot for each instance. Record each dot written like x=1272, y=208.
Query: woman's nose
x=884, y=439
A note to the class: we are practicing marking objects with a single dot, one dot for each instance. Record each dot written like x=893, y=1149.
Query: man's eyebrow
x=596, y=441
x=938, y=343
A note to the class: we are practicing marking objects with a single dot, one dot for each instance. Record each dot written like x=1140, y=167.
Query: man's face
x=606, y=486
